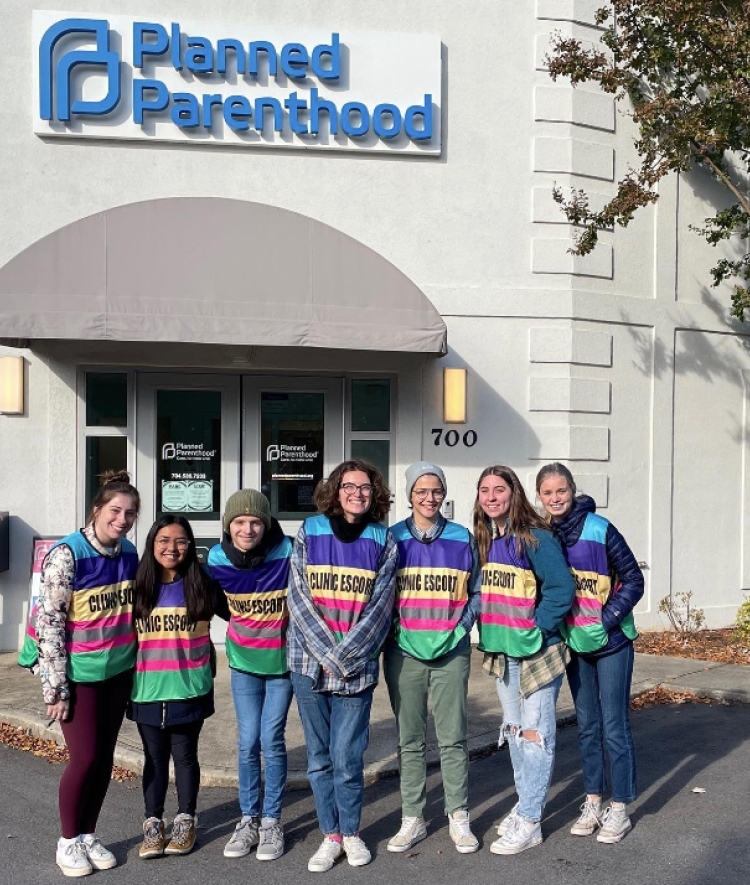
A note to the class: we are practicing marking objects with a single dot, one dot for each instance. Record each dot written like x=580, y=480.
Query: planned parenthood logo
x=56, y=69
x=248, y=85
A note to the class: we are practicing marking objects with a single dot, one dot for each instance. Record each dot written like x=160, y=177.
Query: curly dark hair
x=327, y=490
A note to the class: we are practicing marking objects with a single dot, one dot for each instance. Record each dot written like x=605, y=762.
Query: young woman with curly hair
x=527, y=590
x=341, y=592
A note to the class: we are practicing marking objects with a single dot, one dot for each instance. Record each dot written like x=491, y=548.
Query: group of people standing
x=308, y=619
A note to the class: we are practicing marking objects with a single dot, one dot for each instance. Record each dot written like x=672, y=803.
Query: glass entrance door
x=293, y=437
x=188, y=450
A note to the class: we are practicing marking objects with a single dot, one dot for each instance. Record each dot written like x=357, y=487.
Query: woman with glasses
x=251, y=565
x=173, y=690
x=84, y=628
x=429, y=654
x=340, y=607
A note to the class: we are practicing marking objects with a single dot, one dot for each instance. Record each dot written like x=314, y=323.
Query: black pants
x=181, y=743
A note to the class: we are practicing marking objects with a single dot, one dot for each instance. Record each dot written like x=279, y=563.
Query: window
x=369, y=430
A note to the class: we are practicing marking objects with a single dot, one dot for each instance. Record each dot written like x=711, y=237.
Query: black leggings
x=181, y=742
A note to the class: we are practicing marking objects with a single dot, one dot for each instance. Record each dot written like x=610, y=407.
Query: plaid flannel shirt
x=351, y=665
x=537, y=670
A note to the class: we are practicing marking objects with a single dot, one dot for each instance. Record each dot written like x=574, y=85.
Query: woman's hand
x=58, y=711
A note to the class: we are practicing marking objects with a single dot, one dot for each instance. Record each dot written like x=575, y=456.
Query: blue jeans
x=601, y=692
x=261, y=704
x=337, y=731
x=532, y=760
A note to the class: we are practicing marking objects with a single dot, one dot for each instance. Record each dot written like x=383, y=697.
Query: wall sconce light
x=11, y=385
x=454, y=396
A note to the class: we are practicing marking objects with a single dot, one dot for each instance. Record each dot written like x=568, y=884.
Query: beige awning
x=213, y=271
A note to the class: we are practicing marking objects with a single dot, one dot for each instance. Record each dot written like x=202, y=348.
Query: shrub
x=683, y=617
x=742, y=623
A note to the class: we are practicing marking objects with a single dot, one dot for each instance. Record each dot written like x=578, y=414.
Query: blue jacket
x=623, y=567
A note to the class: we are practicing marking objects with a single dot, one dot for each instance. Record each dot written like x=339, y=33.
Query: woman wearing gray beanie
x=428, y=654
x=251, y=564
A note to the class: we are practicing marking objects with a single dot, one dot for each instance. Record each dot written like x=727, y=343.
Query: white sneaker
x=615, y=825
x=72, y=859
x=357, y=853
x=502, y=827
x=521, y=834
x=244, y=838
x=460, y=829
x=590, y=819
x=325, y=857
x=412, y=830
x=100, y=858
x=271, y=845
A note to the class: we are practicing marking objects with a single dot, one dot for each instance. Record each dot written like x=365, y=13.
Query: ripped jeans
x=532, y=761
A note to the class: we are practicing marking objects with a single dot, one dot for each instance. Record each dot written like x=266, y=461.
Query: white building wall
x=623, y=363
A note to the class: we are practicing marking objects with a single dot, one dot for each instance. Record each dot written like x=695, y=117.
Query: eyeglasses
x=435, y=494
x=351, y=488
x=180, y=543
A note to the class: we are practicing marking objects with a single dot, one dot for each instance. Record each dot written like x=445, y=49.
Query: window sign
x=188, y=440
x=292, y=437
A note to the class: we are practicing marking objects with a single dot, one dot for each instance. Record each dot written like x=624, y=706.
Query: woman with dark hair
x=527, y=589
x=173, y=691
x=600, y=631
x=84, y=628
x=341, y=594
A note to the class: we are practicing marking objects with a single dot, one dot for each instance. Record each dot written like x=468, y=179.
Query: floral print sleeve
x=55, y=592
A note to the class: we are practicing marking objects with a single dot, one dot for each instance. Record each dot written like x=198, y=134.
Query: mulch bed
x=21, y=739
x=720, y=646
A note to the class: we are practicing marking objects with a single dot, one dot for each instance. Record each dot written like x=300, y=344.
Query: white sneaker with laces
x=100, y=858
x=244, y=838
x=357, y=853
x=521, y=834
x=590, y=819
x=324, y=858
x=615, y=825
x=507, y=820
x=72, y=859
x=459, y=826
x=412, y=830
x=271, y=845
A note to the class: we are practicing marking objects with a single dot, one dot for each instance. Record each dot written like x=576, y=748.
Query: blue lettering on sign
x=155, y=45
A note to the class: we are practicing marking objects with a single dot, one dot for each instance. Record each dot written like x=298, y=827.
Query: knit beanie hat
x=247, y=502
x=423, y=468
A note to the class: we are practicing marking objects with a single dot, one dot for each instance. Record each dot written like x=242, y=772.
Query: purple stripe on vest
x=363, y=553
x=588, y=556
x=503, y=552
x=439, y=554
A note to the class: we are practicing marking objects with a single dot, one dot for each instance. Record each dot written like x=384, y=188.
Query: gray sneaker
x=271, y=844
x=244, y=838
x=590, y=819
x=615, y=825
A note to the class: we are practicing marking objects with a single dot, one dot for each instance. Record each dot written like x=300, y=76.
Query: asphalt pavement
x=689, y=822
x=21, y=704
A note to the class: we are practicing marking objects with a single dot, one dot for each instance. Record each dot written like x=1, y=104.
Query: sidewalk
x=21, y=704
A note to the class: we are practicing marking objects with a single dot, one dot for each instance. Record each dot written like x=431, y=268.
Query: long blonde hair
x=522, y=517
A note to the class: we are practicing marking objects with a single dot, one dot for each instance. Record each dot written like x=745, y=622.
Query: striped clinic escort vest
x=173, y=661
x=99, y=633
x=259, y=617
x=341, y=576
x=583, y=630
x=431, y=590
x=29, y=654
x=509, y=591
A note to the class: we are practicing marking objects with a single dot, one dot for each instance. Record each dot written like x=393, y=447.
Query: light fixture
x=11, y=385
x=454, y=396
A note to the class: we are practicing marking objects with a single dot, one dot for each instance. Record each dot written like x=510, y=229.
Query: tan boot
x=153, y=839
x=183, y=835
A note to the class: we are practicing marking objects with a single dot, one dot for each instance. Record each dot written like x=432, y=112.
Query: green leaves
x=684, y=65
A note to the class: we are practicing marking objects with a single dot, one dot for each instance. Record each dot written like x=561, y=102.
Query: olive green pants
x=446, y=681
